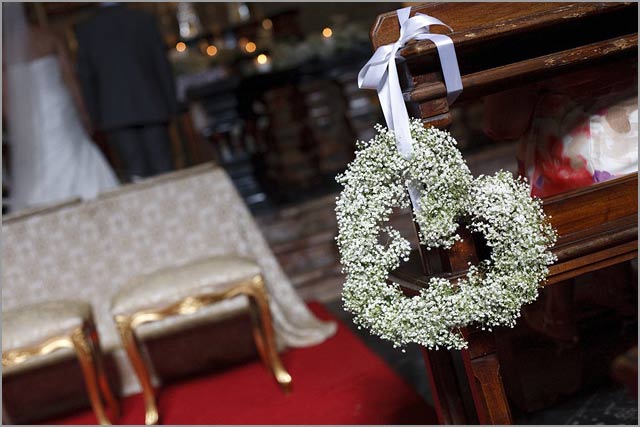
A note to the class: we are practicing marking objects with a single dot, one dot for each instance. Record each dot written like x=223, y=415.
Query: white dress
x=52, y=156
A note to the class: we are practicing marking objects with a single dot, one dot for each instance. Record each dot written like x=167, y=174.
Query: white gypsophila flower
x=498, y=206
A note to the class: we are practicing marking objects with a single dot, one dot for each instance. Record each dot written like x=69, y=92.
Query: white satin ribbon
x=381, y=74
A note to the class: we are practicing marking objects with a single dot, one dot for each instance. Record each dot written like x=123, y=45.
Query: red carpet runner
x=337, y=382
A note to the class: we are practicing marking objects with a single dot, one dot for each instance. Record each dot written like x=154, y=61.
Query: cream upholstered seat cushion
x=32, y=324
x=171, y=285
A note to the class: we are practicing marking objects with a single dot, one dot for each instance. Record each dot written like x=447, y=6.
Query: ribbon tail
x=448, y=63
x=414, y=194
x=401, y=129
x=399, y=114
x=385, y=98
x=450, y=68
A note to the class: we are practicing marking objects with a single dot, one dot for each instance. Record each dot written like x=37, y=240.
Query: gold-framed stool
x=185, y=290
x=35, y=334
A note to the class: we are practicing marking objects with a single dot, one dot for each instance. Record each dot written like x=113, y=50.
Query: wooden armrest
x=472, y=22
x=597, y=226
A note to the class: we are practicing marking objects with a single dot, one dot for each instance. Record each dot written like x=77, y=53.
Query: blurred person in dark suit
x=128, y=85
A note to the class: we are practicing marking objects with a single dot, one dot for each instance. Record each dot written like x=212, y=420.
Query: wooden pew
x=501, y=46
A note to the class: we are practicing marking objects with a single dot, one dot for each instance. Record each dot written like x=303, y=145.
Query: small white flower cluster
x=499, y=207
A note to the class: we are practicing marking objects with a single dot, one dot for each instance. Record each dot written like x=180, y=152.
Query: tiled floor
x=609, y=404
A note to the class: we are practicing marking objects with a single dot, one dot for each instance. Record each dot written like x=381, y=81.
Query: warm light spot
x=250, y=47
x=242, y=42
x=267, y=24
x=212, y=50
x=262, y=58
x=181, y=47
x=327, y=32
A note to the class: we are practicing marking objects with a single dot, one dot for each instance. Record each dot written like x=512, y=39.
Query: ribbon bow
x=380, y=73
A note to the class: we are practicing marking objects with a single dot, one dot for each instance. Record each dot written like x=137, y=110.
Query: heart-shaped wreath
x=499, y=206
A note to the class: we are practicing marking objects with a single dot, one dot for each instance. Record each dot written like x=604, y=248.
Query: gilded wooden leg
x=87, y=357
x=107, y=393
x=263, y=333
x=132, y=347
x=258, y=335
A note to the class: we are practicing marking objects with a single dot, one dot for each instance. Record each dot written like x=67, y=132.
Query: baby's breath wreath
x=499, y=207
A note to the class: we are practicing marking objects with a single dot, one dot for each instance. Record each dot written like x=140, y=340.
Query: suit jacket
x=123, y=69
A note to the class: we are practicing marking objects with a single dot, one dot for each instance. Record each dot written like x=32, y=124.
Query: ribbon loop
x=380, y=73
